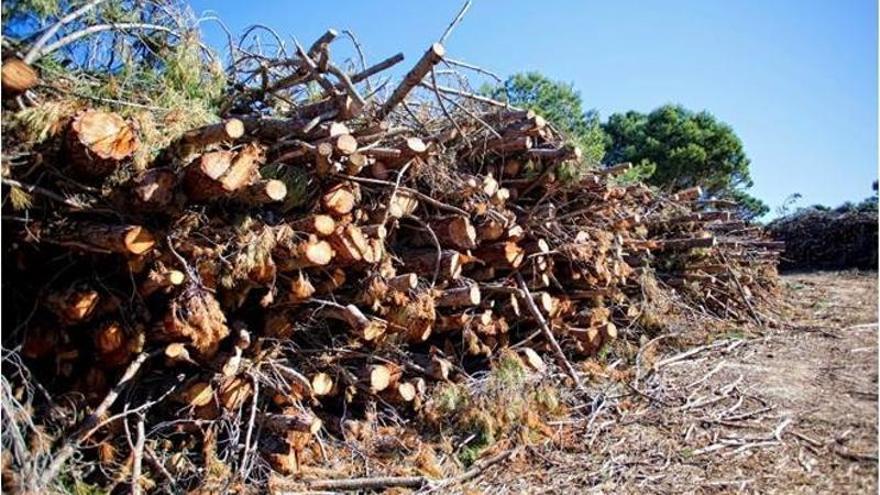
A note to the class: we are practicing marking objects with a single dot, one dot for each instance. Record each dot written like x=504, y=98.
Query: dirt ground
x=791, y=409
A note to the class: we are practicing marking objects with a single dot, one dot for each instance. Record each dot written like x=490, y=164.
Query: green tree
x=685, y=149
x=560, y=104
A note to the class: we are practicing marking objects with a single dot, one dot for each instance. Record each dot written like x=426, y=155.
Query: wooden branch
x=87, y=426
x=377, y=68
x=548, y=334
x=36, y=49
x=413, y=78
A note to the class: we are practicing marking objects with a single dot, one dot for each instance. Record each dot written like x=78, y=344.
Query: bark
x=124, y=239
x=424, y=262
x=154, y=189
x=412, y=79
x=262, y=192
x=502, y=255
x=460, y=297
x=455, y=232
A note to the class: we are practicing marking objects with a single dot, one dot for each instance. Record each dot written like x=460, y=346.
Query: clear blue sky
x=797, y=79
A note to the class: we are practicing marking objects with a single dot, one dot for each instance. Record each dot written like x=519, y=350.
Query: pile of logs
x=286, y=270
x=839, y=239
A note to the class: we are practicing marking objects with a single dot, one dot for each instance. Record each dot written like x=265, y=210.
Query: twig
x=427, y=227
x=375, y=69
x=35, y=52
x=85, y=429
x=312, y=68
x=380, y=482
x=420, y=195
x=138, y=460
x=472, y=67
x=97, y=28
x=533, y=308
x=43, y=192
x=455, y=22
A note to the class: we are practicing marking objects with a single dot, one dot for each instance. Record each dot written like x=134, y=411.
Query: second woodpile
x=349, y=252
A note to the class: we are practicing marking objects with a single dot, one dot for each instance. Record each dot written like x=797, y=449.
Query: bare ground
x=791, y=409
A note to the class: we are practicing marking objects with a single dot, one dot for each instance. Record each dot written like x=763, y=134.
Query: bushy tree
x=560, y=104
x=684, y=149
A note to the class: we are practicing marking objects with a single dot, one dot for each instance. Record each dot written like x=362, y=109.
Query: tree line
x=670, y=147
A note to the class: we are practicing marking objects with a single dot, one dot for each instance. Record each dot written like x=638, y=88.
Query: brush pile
x=821, y=239
x=225, y=296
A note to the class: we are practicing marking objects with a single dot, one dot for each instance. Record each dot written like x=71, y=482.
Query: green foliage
x=560, y=104
x=640, y=172
x=687, y=148
x=749, y=207
x=676, y=148
x=507, y=400
x=21, y=10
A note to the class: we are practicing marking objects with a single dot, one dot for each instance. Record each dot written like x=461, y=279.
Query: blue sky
x=796, y=79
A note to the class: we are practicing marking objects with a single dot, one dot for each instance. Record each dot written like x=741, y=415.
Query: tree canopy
x=680, y=148
x=687, y=148
x=560, y=104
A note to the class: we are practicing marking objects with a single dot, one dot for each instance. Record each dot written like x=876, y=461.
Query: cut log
x=614, y=170
x=689, y=194
x=17, y=77
x=323, y=385
x=424, y=263
x=160, y=279
x=403, y=283
x=197, y=140
x=341, y=199
x=98, y=142
x=459, y=297
x=460, y=321
x=455, y=231
x=356, y=163
x=74, y=305
x=154, y=189
x=403, y=203
x=363, y=327
x=406, y=391
x=413, y=78
x=383, y=376
x=322, y=225
x=345, y=144
x=305, y=254
x=323, y=159
x=562, y=153
x=123, y=239
x=501, y=255
x=412, y=147
x=219, y=174
x=263, y=191
x=350, y=244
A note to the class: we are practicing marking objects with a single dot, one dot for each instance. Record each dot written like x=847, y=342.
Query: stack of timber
x=819, y=239
x=293, y=265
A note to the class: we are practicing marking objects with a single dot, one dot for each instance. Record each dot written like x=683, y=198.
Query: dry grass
x=786, y=410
